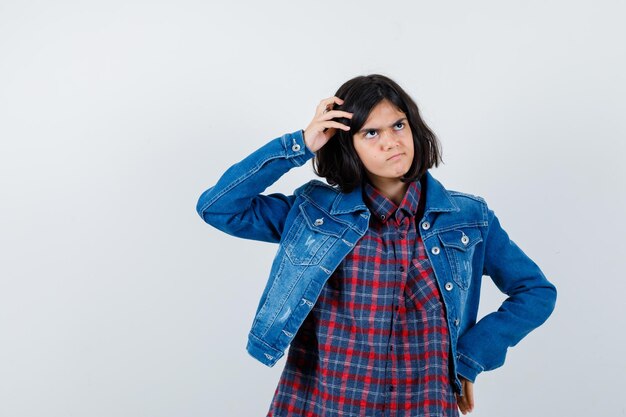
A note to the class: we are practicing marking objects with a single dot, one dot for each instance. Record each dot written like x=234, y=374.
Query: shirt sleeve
x=235, y=204
x=531, y=300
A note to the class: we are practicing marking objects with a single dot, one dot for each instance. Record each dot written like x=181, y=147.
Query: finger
x=329, y=133
x=463, y=399
x=331, y=123
x=461, y=403
x=336, y=113
x=469, y=394
x=334, y=100
x=327, y=104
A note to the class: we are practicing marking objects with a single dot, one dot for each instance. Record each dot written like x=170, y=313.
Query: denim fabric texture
x=318, y=226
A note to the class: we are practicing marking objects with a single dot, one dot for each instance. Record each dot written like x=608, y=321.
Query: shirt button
x=457, y=322
x=382, y=217
x=449, y=286
x=425, y=225
x=401, y=269
x=465, y=240
x=435, y=250
x=391, y=388
x=391, y=347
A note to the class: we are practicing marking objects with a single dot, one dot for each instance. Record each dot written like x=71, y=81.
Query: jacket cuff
x=468, y=368
x=295, y=148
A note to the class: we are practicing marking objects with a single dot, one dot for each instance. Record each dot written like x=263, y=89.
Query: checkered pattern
x=376, y=343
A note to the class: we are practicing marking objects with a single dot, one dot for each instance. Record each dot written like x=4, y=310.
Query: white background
x=117, y=300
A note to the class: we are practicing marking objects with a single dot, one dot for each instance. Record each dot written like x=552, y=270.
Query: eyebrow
x=367, y=129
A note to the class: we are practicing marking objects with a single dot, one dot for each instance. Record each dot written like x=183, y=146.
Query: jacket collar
x=438, y=199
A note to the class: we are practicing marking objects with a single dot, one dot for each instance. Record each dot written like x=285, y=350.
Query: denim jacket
x=318, y=226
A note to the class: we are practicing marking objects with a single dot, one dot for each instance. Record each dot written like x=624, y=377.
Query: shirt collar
x=383, y=208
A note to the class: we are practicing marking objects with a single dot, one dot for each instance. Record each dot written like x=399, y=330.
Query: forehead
x=383, y=113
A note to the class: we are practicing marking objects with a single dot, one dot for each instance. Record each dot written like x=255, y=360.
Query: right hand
x=322, y=127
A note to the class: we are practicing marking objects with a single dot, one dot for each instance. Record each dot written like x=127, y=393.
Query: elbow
x=203, y=206
x=552, y=296
x=546, y=301
x=217, y=213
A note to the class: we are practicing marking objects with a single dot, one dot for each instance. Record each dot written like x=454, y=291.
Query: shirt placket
x=399, y=234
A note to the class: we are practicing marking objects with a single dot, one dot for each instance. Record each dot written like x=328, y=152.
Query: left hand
x=466, y=401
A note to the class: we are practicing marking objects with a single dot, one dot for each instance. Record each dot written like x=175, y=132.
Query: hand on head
x=323, y=127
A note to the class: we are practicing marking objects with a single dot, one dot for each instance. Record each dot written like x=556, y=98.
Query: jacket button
x=319, y=222
x=435, y=250
x=465, y=239
x=425, y=225
x=449, y=286
x=457, y=322
x=295, y=147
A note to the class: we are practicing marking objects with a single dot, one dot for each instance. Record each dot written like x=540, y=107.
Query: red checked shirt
x=376, y=343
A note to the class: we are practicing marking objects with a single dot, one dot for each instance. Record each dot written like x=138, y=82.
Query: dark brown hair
x=338, y=162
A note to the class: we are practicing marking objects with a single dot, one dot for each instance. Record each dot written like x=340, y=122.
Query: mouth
x=394, y=157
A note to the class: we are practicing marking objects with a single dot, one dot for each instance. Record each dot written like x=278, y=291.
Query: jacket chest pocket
x=311, y=235
x=459, y=245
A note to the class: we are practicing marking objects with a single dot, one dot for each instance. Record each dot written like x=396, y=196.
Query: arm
x=235, y=204
x=531, y=299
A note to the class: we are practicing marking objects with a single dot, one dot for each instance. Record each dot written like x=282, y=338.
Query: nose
x=387, y=140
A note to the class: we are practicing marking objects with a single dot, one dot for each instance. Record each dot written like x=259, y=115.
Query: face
x=385, y=144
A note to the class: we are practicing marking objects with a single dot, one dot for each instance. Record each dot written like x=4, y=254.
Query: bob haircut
x=337, y=160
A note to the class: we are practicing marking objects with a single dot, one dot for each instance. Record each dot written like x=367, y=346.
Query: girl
x=376, y=282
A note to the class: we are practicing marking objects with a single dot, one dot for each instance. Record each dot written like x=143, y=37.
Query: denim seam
x=314, y=204
x=350, y=225
x=470, y=196
x=453, y=227
x=471, y=361
x=239, y=180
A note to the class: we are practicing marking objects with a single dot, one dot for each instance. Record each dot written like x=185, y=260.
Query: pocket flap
x=460, y=238
x=321, y=221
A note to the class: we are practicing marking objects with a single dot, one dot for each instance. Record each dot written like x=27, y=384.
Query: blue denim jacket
x=318, y=226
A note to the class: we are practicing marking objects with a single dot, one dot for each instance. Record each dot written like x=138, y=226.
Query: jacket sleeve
x=235, y=204
x=531, y=299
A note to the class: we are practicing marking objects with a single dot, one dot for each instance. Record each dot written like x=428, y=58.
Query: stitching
x=239, y=180
x=432, y=232
x=482, y=368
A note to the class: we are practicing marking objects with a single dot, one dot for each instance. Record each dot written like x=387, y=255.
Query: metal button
x=465, y=239
x=319, y=222
x=425, y=225
x=295, y=147
x=449, y=286
x=401, y=269
x=382, y=217
x=457, y=322
x=435, y=250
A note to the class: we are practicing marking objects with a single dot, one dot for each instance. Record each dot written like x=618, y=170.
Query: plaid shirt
x=376, y=343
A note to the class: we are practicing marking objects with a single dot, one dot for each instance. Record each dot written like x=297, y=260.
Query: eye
x=399, y=126
x=369, y=134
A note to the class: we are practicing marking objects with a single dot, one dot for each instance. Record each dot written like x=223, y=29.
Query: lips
x=394, y=157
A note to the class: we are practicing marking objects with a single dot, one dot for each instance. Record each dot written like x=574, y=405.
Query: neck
x=392, y=189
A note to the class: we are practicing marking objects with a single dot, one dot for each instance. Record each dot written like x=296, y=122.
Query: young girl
x=376, y=282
